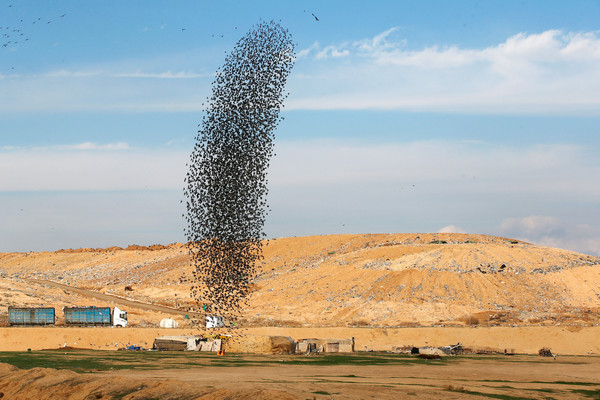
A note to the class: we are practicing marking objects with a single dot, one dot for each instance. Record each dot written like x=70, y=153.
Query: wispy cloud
x=135, y=74
x=163, y=75
x=548, y=72
x=332, y=52
x=101, y=91
x=543, y=194
x=63, y=73
x=94, y=146
x=92, y=167
x=553, y=231
x=473, y=167
x=422, y=186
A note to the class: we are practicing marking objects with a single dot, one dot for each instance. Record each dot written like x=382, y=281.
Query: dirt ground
x=284, y=377
x=564, y=340
x=517, y=377
x=385, y=290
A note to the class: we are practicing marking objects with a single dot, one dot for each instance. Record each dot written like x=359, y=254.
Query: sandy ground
x=526, y=340
x=514, y=377
x=276, y=377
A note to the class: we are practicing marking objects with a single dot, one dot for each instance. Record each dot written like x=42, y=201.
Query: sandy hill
x=337, y=280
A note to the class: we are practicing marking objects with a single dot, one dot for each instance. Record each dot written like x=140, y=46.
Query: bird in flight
x=313, y=14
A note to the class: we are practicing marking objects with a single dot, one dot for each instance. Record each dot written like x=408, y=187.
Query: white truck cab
x=119, y=318
x=214, y=321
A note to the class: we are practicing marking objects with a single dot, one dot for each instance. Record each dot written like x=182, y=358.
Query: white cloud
x=162, y=75
x=91, y=166
x=379, y=42
x=556, y=232
x=560, y=169
x=330, y=186
x=532, y=226
x=334, y=186
x=451, y=229
x=306, y=52
x=63, y=73
x=425, y=166
x=67, y=91
x=332, y=51
x=548, y=72
x=94, y=146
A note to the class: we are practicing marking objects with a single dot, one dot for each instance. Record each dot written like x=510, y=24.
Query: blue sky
x=405, y=116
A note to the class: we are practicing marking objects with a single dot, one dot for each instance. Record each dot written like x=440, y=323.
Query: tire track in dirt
x=116, y=299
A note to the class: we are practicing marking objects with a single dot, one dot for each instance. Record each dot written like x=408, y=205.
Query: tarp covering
x=179, y=343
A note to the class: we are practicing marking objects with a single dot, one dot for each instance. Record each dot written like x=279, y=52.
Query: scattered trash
x=430, y=350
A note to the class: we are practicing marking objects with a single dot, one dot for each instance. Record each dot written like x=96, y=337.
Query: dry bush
x=452, y=388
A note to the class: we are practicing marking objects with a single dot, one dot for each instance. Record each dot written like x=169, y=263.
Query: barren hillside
x=338, y=280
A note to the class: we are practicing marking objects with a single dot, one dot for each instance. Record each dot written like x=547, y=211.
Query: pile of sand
x=51, y=384
x=379, y=280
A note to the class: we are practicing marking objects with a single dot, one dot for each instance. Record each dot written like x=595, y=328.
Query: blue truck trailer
x=31, y=316
x=95, y=316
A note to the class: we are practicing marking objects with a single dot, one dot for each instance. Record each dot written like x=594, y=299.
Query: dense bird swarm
x=226, y=184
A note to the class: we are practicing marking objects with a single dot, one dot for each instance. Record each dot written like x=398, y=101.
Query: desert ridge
x=357, y=280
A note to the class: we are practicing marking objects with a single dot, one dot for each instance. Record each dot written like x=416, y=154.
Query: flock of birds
x=19, y=33
x=226, y=184
x=13, y=35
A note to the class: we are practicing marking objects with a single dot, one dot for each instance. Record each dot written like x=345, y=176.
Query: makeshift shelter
x=325, y=345
x=209, y=345
x=187, y=343
x=178, y=343
x=260, y=344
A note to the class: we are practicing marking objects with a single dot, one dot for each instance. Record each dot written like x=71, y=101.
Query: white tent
x=168, y=323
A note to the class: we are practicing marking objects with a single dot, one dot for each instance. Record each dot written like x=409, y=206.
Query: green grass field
x=94, y=360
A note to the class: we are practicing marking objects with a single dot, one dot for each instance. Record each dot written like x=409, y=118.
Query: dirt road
x=116, y=299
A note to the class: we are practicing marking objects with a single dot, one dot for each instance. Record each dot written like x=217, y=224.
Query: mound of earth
x=376, y=280
x=46, y=383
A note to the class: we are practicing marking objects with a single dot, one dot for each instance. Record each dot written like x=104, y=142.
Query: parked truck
x=31, y=316
x=95, y=316
x=92, y=315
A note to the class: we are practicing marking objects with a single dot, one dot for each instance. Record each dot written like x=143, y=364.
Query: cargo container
x=31, y=316
x=95, y=316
